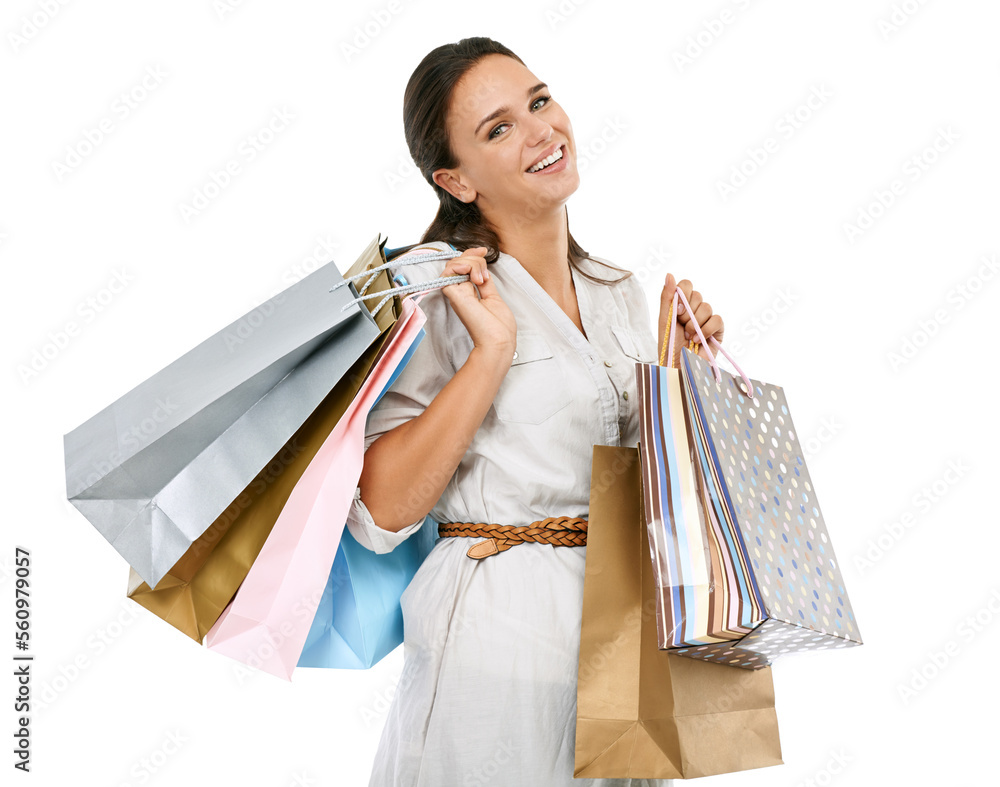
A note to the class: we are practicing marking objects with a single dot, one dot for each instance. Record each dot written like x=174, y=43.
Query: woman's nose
x=539, y=132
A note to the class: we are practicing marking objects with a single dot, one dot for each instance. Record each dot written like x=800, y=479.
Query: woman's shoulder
x=616, y=276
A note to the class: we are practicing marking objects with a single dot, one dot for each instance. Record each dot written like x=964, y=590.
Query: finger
x=487, y=289
x=476, y=259
x=475, y=252
x=702, y=312
x=711, y=327
x=456, y=267
x=685, y=286
x=477, y=271
x=694, y=301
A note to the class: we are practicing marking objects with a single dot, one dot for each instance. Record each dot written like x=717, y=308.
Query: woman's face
x=501, y=121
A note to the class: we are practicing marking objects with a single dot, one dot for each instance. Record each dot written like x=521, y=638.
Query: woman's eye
x=534, y=103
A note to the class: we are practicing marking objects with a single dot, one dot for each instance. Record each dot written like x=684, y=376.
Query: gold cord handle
x=666, y=337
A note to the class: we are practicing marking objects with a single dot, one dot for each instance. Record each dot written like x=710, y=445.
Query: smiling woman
x=524, y=368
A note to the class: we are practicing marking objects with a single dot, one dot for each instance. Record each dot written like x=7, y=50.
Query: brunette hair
x=425, y=107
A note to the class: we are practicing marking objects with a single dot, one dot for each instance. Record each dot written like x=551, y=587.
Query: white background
x=806, y=306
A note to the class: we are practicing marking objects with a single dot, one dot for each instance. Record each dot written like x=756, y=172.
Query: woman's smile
x=556, y=165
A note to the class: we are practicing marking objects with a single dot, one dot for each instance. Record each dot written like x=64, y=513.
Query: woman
x=523, y=369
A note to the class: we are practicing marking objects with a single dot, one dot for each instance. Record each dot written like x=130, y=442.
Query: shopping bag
x=643, y=712
x=751, y=468
x=267, y=622
x=704, y=591
x=754, y=465
x=156, y=468
x=359, y=620
x=193, y=593
x=198, y=587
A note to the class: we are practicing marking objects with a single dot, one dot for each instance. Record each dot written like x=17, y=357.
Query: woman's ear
x=446, y=179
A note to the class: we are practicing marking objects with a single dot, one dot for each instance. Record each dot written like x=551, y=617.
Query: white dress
x=487, y=693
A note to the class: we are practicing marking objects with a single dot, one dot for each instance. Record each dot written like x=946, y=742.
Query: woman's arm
x=406, y=469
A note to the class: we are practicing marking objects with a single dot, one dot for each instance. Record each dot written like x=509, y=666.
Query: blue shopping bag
x=359, y=620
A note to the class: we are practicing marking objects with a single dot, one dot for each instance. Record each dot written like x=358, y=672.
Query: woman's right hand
x=486, y=317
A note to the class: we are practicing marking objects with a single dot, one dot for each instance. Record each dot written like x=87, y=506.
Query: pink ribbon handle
x=748, y=386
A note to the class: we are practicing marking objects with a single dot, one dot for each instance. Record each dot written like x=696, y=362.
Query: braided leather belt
x=560, y=531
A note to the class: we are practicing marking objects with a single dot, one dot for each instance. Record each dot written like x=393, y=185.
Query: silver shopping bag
x=153, y=470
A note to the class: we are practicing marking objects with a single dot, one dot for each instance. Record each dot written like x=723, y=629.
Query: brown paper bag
x=643, y=712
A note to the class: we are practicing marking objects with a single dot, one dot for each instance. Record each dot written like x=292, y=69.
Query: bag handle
x=668, y=346
x=432, y=284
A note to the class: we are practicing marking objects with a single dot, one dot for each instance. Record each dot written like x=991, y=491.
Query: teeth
x=546, y=161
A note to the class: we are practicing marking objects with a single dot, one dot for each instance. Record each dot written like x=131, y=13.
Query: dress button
x=607, y=363
x=625, y=395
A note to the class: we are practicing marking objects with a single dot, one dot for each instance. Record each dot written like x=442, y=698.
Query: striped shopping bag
x=744, y=567
x=704, y=590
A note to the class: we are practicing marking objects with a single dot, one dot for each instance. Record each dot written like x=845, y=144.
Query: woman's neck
x=542, y=249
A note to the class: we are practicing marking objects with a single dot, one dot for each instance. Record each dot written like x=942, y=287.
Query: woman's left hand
x=711, y=324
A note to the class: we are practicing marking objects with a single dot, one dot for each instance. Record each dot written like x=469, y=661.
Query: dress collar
x=517, y=273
